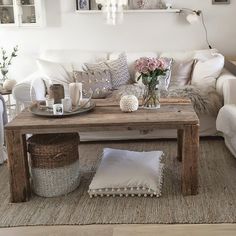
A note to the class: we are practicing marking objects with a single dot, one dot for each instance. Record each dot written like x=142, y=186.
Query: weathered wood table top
x=109, y=115
x=173, y=114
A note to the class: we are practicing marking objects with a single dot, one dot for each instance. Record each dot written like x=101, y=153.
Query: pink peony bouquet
x=150, y=69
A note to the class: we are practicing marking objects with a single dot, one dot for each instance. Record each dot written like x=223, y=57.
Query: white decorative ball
x=129, y=103
x=8, y=84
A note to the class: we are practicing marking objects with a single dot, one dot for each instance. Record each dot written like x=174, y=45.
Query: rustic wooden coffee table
x=178, y=115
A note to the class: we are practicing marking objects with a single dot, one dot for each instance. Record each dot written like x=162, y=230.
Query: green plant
x=7, y=60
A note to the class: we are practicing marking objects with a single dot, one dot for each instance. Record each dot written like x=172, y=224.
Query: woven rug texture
x=215, y=203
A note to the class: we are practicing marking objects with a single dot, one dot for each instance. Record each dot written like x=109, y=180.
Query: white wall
x=146, y=31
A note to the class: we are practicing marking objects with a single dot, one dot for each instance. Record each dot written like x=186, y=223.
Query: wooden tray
x=40, y=110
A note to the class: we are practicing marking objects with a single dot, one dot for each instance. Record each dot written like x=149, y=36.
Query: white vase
x=75, y=91
x=8, y=84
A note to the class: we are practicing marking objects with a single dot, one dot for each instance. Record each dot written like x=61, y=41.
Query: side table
x=11, y=107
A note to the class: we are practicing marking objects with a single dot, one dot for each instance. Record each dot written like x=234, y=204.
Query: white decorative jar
x=8, y=84
x=129, y=103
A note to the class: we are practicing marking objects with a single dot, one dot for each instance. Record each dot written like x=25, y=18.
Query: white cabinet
x=21, y=13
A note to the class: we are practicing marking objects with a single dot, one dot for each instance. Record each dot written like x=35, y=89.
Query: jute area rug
x=215, y=203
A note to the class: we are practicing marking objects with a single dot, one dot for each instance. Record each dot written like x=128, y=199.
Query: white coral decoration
x=129, y=103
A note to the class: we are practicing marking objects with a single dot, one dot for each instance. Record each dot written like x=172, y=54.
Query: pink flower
x=146, y=65
x=163, y=63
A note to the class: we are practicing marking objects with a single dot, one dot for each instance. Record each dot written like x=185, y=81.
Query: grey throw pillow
x=118, y=69
x=182, y=73
x=97, y=82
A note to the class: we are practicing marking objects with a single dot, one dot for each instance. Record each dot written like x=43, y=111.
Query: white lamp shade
x=192, y=18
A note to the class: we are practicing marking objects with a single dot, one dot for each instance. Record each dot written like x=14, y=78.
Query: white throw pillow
x=55, y=73
x=206, y=72
x=126, y=173
x=205, y=54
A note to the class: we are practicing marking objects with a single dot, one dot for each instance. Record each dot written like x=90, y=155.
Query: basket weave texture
x=49, y=151
x=55, y=163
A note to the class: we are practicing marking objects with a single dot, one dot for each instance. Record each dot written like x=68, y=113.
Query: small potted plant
x=150, y=70
x=4, y=68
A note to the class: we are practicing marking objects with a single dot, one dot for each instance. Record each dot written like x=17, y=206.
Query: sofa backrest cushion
x=73, y=59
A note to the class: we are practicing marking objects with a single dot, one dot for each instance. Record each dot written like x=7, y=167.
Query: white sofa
x=226, y=119
x=31, y=87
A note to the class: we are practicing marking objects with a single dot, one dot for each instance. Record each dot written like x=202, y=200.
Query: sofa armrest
x=226, y=86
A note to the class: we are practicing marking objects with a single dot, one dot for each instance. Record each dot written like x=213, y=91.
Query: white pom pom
x=129, y=103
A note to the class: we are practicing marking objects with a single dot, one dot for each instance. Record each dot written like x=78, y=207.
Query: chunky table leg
x=180, y=137
x=18, y=166
x=190, y=160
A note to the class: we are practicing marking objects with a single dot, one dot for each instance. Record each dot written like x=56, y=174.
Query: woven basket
x=54, y=163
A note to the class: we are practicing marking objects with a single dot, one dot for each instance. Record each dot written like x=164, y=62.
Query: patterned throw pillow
x=118, y=68
x=96, y=82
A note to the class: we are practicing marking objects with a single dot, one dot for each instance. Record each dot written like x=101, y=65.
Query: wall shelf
x=132, y=11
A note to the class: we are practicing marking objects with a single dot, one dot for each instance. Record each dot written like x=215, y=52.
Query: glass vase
x=4, y=72
x=151, y=97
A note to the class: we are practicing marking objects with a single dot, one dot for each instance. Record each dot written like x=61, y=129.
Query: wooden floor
x=123, y=230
